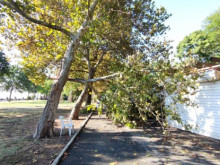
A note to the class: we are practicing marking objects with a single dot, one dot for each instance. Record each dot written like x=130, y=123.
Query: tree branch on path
x=90, y=80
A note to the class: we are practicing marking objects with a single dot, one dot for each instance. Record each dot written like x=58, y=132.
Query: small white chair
x=66, y=123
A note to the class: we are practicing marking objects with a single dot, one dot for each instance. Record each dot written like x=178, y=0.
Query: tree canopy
x=63, y=37
x=203, y=44
x=16, y=79
x=212, y=24
x=198, y=45
x=120, y=27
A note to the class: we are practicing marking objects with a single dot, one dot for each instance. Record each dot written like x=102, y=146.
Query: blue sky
x=187, y=16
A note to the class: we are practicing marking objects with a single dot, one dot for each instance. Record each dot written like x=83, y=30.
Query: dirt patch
x=16, y=130
x=183, y=146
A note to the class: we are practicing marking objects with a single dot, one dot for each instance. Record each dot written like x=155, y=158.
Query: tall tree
x=132, y=25
x=138, y=94
x=202, y=44
x=51, y=14
x=198, y=45
x=212, y=24
x=16, y=79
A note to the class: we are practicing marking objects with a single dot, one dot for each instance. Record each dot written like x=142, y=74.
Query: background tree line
x=203, y=44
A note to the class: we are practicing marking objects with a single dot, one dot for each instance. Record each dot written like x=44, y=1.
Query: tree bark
x=45, y=125
x=89, y=93
x=86, y=92
x=82, y=81
x=89, y=96
x=74, y=115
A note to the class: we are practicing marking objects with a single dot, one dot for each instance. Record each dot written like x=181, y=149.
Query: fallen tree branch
x=90, y=80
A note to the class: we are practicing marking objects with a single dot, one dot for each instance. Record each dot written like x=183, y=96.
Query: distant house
x=205, y=118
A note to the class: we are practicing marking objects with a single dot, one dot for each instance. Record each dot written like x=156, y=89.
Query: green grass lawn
x=32, y=104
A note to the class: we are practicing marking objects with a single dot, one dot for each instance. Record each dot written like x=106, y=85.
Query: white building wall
x=205, y=118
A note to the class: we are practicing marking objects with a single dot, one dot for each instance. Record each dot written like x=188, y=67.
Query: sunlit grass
x=32, y=104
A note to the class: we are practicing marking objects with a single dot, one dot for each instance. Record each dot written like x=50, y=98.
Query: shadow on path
x=101, y=142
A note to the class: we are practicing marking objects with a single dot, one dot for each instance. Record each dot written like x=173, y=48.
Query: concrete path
x=102, y=143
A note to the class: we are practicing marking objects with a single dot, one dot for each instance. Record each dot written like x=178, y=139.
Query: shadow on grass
x=17, y=125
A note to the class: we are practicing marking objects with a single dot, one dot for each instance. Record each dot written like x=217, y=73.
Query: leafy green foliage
x=72, y=91
x=42, y=48
x=16, y=79
x=212, y=24
x=148, y=74
x=115, y=28
x=138, y=95
x=203, y=44
x=198, y=45
x=4, y=65
x=45, y=87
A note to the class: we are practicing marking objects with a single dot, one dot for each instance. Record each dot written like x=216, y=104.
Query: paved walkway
x=101, y=142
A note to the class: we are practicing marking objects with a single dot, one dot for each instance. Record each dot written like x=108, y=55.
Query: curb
x=56, y=161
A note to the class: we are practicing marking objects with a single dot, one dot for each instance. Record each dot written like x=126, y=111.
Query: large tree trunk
x=86, y=92
x=74, y=115
x=45, y=124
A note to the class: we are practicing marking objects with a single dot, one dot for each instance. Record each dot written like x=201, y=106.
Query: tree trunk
x=74, y=115
x=10, y=94
x=70, y=97
x=45, y=125
x=89, y=97
x=89, y=93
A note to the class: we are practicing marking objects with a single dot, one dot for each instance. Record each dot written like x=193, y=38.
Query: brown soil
x=183, y=147
x=18, y=146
